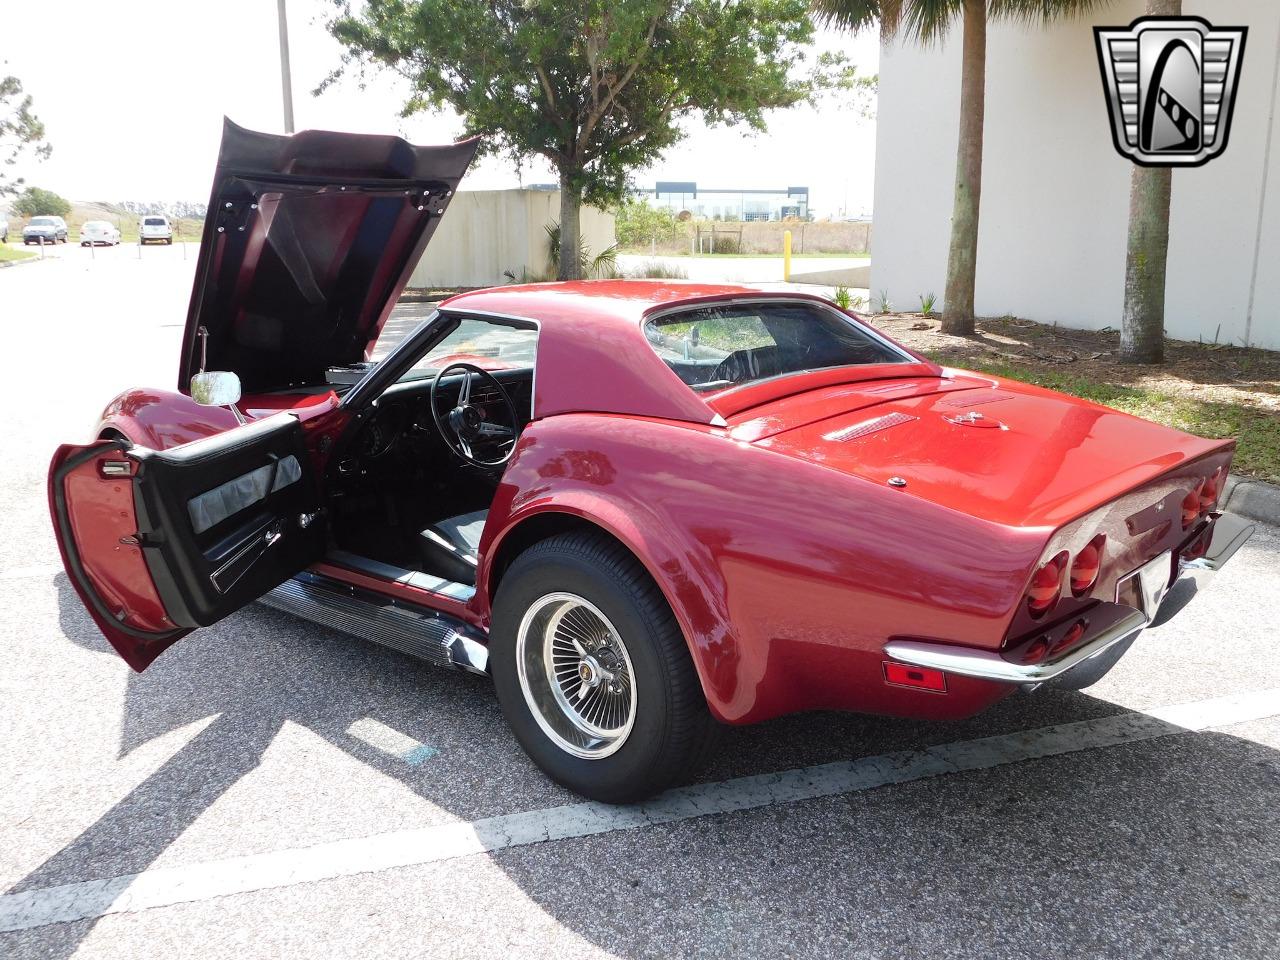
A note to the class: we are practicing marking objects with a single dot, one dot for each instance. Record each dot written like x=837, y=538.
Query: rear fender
x=786, y=577
x=688, y=578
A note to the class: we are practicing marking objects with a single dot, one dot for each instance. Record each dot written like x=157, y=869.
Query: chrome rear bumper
x=1229, y=534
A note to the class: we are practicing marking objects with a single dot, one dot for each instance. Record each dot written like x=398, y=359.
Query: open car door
x=158, y=543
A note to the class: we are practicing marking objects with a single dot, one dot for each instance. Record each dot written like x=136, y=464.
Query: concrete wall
x=821, y=236
x=485, y=232
x=1055, y=195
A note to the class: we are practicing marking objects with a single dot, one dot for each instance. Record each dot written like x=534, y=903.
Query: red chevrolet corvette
x=645, y=508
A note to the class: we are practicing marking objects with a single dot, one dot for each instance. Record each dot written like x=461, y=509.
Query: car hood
x=308, y=242
x=1004, y=451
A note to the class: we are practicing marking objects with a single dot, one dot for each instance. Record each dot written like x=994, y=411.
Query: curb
x=20, y=263
x=1252, y=499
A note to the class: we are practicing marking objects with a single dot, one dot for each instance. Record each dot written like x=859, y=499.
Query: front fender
x=160, y=419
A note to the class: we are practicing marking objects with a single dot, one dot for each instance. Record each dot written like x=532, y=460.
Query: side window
x=715, y=348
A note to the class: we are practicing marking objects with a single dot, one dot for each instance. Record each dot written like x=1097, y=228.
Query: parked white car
x=155, y=228
x=95, y=232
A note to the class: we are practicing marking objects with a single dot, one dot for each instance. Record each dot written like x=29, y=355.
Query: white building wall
x=487, y=232
x=1055, y=194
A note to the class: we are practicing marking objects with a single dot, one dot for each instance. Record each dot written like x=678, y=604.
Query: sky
x=133, y=94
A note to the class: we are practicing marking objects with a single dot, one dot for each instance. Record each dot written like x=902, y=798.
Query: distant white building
x=1055, y=193
x=728, y=203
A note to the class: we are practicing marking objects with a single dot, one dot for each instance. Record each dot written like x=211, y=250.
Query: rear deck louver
x=971, y=398
x=867, y=427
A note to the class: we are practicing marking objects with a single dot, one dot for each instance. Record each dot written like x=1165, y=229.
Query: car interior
x=404, y=504
x=409, y=500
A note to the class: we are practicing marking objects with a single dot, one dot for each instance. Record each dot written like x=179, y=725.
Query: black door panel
x=223, y=520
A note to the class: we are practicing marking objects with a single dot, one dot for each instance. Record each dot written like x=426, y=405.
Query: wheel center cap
x=589, y=671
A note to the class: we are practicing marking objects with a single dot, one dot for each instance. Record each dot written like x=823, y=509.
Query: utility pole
x=286, y=81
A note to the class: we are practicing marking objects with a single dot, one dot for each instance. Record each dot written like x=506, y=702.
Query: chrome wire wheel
x=576, y=675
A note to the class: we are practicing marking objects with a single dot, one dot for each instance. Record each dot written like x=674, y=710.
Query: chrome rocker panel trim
x=1229, y=534
x=416, y=631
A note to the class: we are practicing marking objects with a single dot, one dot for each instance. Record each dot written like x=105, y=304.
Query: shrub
x=636, y=223
x=843, y=299
x=657, y=270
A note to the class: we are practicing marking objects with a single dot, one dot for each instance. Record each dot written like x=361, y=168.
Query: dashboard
x=402, y=423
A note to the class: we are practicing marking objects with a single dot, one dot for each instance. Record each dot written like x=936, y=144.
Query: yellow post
x=786, y=254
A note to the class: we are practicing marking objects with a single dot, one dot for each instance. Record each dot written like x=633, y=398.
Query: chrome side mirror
x=215, y=388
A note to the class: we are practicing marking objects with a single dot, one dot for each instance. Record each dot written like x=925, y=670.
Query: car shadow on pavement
x=1119, y=851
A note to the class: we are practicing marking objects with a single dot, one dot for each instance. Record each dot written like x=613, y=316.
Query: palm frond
x=929, y=20
x=1042, y=12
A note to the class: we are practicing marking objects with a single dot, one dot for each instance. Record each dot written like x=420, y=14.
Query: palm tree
x=928, y=21
x=1150, y=190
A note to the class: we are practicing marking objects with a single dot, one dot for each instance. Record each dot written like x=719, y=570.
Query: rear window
x=715, y=348
x=155, y=222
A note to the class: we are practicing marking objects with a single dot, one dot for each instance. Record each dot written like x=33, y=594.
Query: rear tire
x=640, y=660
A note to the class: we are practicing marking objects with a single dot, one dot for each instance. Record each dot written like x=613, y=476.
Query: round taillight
x=1211, y=490
x=1046, y=586
x=1035, y=650
x=1073, y=636
x=1191, y=505
x=1085, y=567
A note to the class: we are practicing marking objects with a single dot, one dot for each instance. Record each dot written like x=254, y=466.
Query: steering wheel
x=466, y=427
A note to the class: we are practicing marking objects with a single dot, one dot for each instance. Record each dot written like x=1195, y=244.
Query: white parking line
x=165, y=886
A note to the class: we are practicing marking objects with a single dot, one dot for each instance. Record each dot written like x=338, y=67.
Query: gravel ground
x=252, y=737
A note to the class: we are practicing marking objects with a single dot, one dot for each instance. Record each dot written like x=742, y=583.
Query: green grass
x=1257, y=430
x=9, y=253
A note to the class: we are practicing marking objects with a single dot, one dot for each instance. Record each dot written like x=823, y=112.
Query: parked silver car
x=155, y=228
x=46, y=229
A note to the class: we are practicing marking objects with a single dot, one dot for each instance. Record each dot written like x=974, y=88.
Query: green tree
x=34, y=202
x=1150, y=192
x=929, y=21
x=636, y=223
x=597, y=87
x=20, y=130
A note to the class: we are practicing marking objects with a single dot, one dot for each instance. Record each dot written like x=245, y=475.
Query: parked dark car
x=48, y=229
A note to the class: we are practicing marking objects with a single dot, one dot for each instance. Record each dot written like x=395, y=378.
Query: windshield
x=482, y=343
x=42, y=221
x=714, y=348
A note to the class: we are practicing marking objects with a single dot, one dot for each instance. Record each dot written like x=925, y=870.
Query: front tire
x=593, y=673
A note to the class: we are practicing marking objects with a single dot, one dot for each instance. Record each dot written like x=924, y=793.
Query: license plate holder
x=1146, y=587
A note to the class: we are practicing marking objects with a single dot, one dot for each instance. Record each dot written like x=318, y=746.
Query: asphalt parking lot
x=269, y=788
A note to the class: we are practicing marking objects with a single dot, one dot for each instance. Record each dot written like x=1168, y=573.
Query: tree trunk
x=1142, y=326
x=570, y=266
x=962, y=263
